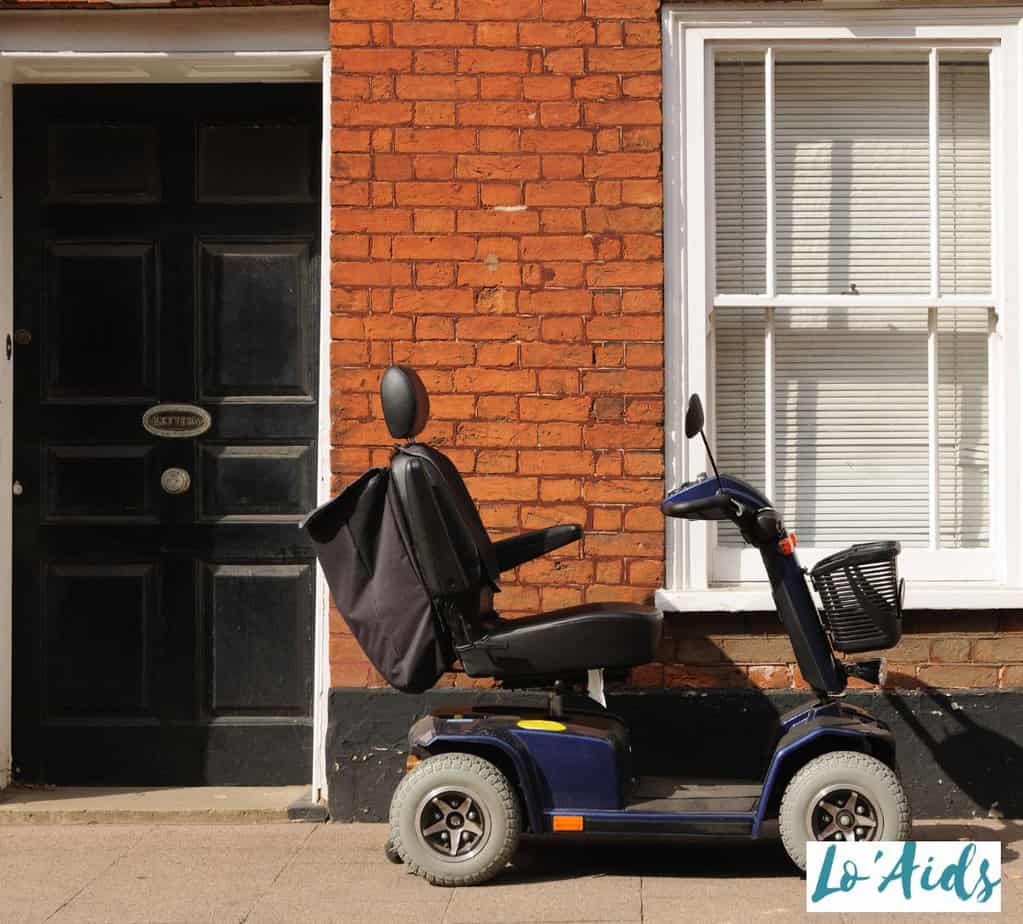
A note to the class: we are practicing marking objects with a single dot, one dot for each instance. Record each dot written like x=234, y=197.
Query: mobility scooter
x=480, y=777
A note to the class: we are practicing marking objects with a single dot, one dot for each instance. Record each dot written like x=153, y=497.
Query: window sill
x=736, y=598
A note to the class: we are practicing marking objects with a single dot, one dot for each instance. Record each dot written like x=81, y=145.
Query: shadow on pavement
x=544, y=862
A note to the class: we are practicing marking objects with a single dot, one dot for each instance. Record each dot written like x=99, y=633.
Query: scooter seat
x=568, y=640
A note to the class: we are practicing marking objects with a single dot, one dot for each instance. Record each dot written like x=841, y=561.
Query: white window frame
x=690, y=39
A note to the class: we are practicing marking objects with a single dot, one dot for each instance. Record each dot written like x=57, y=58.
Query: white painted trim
x=732, y=565
x=697, y=87
x=164, y=46
x=675, y=335
x=861, y=301
x=933, y=155
x=933, y=434
x=769, y=182
x=739, y=598
x=321, y=645
x=692, y=35
x=6, y=432
x=769, y=404
x=934, y=234
x=118, y=34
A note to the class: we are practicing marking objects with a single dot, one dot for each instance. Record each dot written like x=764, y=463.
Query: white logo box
x=915, y=876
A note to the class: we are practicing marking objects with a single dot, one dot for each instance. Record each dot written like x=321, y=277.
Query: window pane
x=851, y=421
x=851, y=424
x=964, y=173
x=962, y=427
x=738, y=413
x=739, y=176
x=852, y=187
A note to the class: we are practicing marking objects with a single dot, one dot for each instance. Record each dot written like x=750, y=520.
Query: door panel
x=98, y=326
x=280, y=165
x=257, y=646
x=96, y=162
x=256, y=482
x=167, y=251
x=255, y=299
x=97, y=484
x=95, y=653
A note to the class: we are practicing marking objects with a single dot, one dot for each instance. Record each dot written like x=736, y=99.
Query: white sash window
x=846, y=212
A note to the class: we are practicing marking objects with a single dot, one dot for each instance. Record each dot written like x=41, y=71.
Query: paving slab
x=189, y=874
x=44, y=868
x=341, y=876
x=335, y=874
x=140, y=805
x=547, y=901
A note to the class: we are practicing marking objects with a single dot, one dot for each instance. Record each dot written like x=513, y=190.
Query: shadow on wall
x=974, y=741
x=960, y=753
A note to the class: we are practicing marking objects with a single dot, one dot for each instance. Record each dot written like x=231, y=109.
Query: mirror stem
x=710, y=455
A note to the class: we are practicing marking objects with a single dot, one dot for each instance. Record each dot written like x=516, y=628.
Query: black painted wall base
x=960, y=753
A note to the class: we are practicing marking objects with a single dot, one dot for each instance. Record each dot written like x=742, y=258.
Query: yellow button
x=542, y=725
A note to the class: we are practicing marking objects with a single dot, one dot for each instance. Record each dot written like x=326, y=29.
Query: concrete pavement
x=278, y=872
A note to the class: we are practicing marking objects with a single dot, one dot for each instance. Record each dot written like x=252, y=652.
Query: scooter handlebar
x=718, y=506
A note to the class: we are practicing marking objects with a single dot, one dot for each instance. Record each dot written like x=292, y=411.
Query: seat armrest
x=537, y=542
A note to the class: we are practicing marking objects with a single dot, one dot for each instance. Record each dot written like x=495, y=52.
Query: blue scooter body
x=545, y=759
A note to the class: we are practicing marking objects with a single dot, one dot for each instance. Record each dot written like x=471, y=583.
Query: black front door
x=166, y=252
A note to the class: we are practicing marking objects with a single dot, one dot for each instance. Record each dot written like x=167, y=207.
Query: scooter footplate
x=668, y=794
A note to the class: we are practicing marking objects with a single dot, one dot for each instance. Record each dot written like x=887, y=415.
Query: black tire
x=842, y=778
x=423, y=820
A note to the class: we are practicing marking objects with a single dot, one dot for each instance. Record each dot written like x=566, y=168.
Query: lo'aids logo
x=957, y=876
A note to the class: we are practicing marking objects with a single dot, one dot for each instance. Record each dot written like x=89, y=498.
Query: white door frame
x=261, y=45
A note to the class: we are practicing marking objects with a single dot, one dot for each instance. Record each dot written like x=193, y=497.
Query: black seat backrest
x=450, y=545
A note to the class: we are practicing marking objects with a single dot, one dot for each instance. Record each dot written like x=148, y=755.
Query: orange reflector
x=788, y=544
x=410, y=762
x=568, y=822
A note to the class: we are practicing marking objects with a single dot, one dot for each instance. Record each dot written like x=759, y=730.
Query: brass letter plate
x=176, y=421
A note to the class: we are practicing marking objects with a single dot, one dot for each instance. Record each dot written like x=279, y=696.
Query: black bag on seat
x=360, y=541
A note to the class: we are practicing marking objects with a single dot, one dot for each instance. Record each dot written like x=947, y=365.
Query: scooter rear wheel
x=842, y=796
x=455, y=820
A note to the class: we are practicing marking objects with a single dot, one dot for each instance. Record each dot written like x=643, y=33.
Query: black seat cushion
x=565, y=641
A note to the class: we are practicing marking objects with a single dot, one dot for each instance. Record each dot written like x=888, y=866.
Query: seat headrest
x=406, y=403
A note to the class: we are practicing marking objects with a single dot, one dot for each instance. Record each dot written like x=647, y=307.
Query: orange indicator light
x=568, y=822
x=788, y=544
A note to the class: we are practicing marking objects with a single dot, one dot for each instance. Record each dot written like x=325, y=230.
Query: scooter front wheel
x=842, y=796
x=455, y=820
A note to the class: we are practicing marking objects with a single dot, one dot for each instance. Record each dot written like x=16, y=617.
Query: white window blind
x=865, y=420
x=852, y=178
x=740, y=185
x=964, y=137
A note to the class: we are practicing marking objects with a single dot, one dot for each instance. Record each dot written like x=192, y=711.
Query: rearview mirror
x=694, y=416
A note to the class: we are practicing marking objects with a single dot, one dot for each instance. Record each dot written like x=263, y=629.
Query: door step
x=148, y=805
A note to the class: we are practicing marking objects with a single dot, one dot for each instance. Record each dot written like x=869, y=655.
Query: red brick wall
x=497, y=225
x=497, y=218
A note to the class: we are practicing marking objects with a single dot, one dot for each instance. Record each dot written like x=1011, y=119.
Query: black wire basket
x=861, y=596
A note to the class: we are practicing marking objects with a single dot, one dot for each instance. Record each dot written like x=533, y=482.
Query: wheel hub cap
x=452, y=823
x=843, y=814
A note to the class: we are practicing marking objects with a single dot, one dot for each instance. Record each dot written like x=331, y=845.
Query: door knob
x=16, y=489
x=175, y=481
